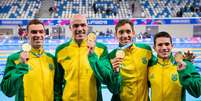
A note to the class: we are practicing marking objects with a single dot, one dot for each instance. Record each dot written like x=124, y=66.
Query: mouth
x=126, y=41
x=38, y=41
x=78, y=32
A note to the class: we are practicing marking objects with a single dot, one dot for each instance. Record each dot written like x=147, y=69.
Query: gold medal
x=120, y=54
x=91, y=37
x=26, y=47
x=179, y=57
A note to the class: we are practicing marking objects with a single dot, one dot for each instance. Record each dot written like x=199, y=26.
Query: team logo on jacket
x=144, y=60
x=174, y=77
x=51, y=66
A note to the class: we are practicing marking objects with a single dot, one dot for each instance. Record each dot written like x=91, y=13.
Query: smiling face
x=124, y=32
x=36, y=34
x=79, y=27
x=163, y=45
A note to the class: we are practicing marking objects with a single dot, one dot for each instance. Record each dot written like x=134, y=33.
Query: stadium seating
x=102, y=8
x=67, y=8
x=171, y=8
x=19, y=8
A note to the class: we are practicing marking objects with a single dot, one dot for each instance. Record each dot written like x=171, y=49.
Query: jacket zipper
x=79, y=75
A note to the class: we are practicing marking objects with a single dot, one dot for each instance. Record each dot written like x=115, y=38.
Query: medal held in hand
x=179, y=57
x=119, y=54
x=91, y=37
x=26, y=47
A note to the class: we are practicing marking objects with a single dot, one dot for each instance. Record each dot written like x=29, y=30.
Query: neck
x=78, y=42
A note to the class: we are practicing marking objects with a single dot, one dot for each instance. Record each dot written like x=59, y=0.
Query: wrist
x=181, y=65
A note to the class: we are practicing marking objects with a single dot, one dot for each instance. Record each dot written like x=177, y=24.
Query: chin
x=38, y=46
x=165, y=57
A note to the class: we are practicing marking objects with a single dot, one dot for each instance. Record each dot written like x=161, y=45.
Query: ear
x=70, y=27
x=133, y=33
x=154, y=47
x=25, y=33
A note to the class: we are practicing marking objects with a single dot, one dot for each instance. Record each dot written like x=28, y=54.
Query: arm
x=13, y=77
x=58, y=79
x=103, y=71
x=58, y=82
x=190, y=79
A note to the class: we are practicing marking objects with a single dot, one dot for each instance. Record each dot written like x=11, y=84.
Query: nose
x=124, y=34
x=163, y=47
x=79, y=28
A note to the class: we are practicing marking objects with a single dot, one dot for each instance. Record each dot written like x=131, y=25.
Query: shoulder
x=14, y=56
x=144, y=46
x=112, y=54
x=60, y=47
x=49, y=54
x=101, y=45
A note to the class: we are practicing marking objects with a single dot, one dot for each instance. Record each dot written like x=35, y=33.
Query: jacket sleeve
x=190, y=79
x=103, y=71
x=13, y=77
x=58, y=81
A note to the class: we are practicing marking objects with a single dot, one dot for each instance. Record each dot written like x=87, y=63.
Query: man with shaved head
x=77, y=80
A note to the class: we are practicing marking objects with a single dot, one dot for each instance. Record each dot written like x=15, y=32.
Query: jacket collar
x=168, y=61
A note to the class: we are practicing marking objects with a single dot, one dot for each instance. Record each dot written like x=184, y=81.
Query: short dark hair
x=162, y=34
x=122, y=22
x=34, y=22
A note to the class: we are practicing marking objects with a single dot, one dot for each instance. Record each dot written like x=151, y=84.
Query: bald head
x=78, y=18
x=79, y=27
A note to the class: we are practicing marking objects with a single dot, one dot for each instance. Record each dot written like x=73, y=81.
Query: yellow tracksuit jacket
x=33, y=81
x=134, y=85
x=77, y=76
x=165, y=81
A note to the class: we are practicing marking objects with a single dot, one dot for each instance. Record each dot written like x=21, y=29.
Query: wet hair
x=162, y=34
x=122, y=22
x=34, y=22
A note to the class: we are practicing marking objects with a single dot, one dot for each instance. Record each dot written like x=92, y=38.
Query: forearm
x=12, y=79
x=191, y=80
x=58, y=82
x=104, y=72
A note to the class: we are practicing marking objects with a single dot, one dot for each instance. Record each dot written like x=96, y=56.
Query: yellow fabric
x=38, y=82
x=134, y=74
x=80, y=80
x=164, y=81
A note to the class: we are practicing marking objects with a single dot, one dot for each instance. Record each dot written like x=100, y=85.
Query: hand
x=24, y=56
x=91, y=46
x=181, y=65
x=179, y=57
x=189, y=56
x=116, y=62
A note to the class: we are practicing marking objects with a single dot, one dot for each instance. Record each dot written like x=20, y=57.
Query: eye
x=34, y=31
x=83, y=25
x=128, y=31
x=121, y=31
x=76, y=25
x=160, y=44
x=167, y=44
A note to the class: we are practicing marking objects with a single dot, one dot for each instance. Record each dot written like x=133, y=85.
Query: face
x=163, y=47
x=79, y=27
x=36, y=34
x=125, y=34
